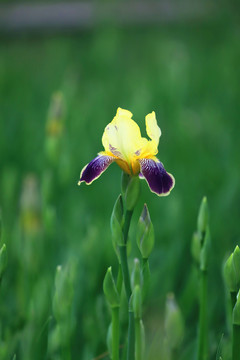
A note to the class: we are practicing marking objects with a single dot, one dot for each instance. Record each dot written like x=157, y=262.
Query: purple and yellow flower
x=134, y=154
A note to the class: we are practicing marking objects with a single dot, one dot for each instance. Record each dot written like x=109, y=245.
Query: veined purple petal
x=95, y=168
x=159, y=181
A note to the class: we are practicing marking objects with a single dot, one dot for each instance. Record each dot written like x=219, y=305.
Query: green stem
x=66, y=355
x=202, y=333
x=115, y=333
x=126, y=226
x=174, y=354
x=146, y=277
x=123, y=255
x=138, y=340
x=233, y=298
x=127, y=284
x=145, y=262
x=125, y=270
x=131, y=336
x=119, y=279
x=236, y=342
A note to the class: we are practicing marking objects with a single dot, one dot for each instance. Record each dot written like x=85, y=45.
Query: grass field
x=189, y=75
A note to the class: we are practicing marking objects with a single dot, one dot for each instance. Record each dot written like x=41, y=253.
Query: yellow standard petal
x=122, y=139
x=153, y=130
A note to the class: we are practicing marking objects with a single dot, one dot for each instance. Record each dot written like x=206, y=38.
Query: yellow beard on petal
x=135, y=167
x=124, y=166
x=132, y=169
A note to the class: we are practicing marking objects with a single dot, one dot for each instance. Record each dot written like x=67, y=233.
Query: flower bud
x=174, y=325
x=54, y=128
x=236, y=264
x=196, y=247
x=56, y=111
x=110, y=289
x=202, y=221
x=137, y=302
x=145, y=233
x=64, y=286
x=204, y=255
x=136, y=274
x=132, y=193
x=57, y=296
x=117, y=223
x=0, y=224
x=236, y=311
x=229, y=274
x=58, y=277
x=3, y=260
x=30, y=205
x=232, y=271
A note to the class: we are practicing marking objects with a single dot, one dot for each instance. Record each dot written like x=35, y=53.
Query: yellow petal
x=122, y=137
x=153, y=130
x=123, y=112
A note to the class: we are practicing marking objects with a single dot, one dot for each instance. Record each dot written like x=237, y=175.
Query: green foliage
x=188, y=74
x=174, y=323
x=3, y=260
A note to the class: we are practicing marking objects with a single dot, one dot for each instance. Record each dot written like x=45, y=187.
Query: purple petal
x=95, y=168
x=159, y=181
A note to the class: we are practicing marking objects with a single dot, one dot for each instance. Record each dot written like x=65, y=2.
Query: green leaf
x=116, y=223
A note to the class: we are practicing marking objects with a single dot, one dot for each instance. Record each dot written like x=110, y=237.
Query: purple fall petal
x=95, y=168
x=159, y=181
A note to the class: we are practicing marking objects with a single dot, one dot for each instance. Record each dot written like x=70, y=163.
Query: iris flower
x=134, y=154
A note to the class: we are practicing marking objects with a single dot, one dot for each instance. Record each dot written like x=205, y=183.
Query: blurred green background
x=188, y=73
